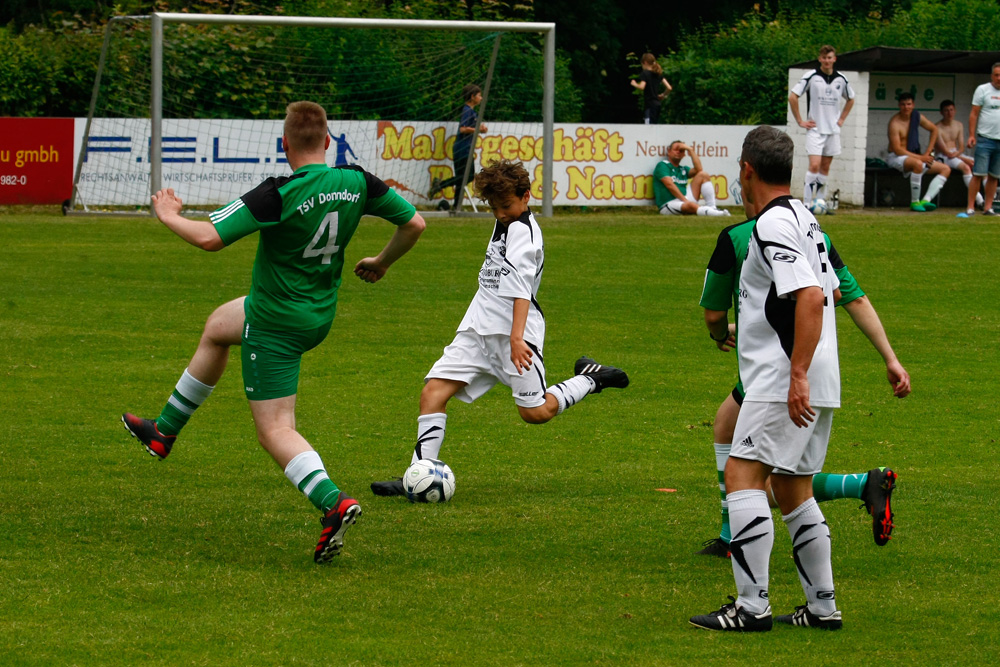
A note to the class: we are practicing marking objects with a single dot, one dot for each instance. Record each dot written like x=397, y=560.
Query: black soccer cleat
x=392, y=487
x=715, y=547
x=435, y=188
x=146, y=432
x=335, y=524
x=804, y=618
x=877, y=496
x=603, y=376
x=731, y=618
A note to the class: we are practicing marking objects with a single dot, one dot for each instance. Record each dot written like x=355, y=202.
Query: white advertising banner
x=211, y=162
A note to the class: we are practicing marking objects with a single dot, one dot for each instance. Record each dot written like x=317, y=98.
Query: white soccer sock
x=915, y=179
x=570, y=392
x=193, y=389
x=811, y=550
x=430, y=436
x=809, y=191
x=708, y=193
x=979, y=195
x=753, y=536
x=304, y=465
x=711, y=211
x=821, y=186
x=935, y=187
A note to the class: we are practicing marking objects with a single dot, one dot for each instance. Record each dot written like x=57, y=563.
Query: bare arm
x=672, y=187
x=808, y=326
x=933, y=129
x=793, y=101
x=719, y=329
x=373, y=269
x=199, y=233
x=520, y=353
x=696, y=161
x=641, y=85
x=973, y=122
x=867, y=320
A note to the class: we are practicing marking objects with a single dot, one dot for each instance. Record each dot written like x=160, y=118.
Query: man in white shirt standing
x=790, y=370
x=984, y=136
x=823, y=88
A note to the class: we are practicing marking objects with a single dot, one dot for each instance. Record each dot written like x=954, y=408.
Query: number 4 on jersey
x=331, y=222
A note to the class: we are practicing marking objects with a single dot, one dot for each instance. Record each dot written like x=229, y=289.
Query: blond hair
x=305, y=126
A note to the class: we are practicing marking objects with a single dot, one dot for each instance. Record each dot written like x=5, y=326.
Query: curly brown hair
x=501, y=179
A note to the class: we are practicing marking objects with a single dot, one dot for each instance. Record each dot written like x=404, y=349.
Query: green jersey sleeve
x=721, y=275
x=261, y=207
x=385, y=203
x=849, y=288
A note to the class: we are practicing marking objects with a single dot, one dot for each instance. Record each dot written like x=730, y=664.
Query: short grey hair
x=769, y=151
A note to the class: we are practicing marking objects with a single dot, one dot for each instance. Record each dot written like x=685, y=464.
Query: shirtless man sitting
x=950, y=146
x=906, y=156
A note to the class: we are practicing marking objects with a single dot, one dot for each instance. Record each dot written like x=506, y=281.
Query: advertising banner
x=211, y=162
x=36, y=160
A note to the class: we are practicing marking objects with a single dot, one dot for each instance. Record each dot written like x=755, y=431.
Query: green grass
x=557, y=548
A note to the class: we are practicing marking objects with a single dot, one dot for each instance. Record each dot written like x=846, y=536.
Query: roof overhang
x=892, y=59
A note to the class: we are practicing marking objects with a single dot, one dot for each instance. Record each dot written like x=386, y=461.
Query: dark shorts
x=271, y=360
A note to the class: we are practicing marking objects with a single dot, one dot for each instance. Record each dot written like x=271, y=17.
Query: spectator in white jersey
x=984, y=136
x=823, y=88
x=674, y=183
x=788, y=362
x=906, y=156
x=500, y=339
x=950, y=148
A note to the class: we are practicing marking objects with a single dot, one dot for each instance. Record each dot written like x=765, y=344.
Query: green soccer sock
x=831, y=487
x=184, y=400
x=323, y=494
x=307, y=473
x=721, y=456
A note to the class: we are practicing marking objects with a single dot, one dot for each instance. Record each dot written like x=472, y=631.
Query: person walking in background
x=649, y=83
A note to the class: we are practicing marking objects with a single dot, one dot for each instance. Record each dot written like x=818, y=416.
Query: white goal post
x=132, y=138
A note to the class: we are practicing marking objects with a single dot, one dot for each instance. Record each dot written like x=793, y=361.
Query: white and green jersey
x=678, y=174
x=823, y=93
x=305, y=222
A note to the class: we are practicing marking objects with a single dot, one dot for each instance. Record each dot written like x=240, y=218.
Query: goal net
x=196, y=103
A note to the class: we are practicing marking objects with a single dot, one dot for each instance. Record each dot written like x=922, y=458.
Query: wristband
x=719, y=340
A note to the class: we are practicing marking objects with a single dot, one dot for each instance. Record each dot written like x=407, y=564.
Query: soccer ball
x=818, y=207
x=429, y=481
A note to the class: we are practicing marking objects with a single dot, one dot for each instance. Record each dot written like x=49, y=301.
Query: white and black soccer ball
x=429, y=481
x=818, y=207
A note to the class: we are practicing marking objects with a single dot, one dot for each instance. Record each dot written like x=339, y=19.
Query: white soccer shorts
x=482, y=361
x=953, y=162
x=822, y=144
x=896, y=162
x=764, y=432
x=672, y=207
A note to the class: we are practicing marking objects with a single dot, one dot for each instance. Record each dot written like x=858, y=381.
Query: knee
x=539, y=415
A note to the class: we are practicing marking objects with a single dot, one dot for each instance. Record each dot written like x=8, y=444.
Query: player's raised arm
x=199, y=233
x=373, y=269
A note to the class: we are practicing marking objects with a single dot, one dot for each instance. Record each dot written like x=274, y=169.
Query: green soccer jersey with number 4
x=305, y=222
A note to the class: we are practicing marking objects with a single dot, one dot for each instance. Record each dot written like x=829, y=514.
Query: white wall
x=847, y=173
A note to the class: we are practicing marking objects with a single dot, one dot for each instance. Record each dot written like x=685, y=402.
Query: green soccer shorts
x=271, y=359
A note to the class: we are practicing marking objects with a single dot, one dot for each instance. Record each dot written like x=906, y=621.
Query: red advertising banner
x=36, y=160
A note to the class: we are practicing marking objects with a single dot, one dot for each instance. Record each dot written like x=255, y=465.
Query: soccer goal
x=195, y=102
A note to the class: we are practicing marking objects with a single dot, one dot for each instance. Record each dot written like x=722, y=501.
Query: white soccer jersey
x=512, y=270
x=786, y=253
x=823, y=95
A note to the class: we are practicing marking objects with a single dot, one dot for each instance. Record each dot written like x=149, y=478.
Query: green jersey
x=305, y=222
x=722, y=278
x=678, y=174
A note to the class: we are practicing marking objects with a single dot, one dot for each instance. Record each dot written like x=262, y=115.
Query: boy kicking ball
x=500, y=339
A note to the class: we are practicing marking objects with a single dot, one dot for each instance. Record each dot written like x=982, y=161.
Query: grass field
x=558, y=548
